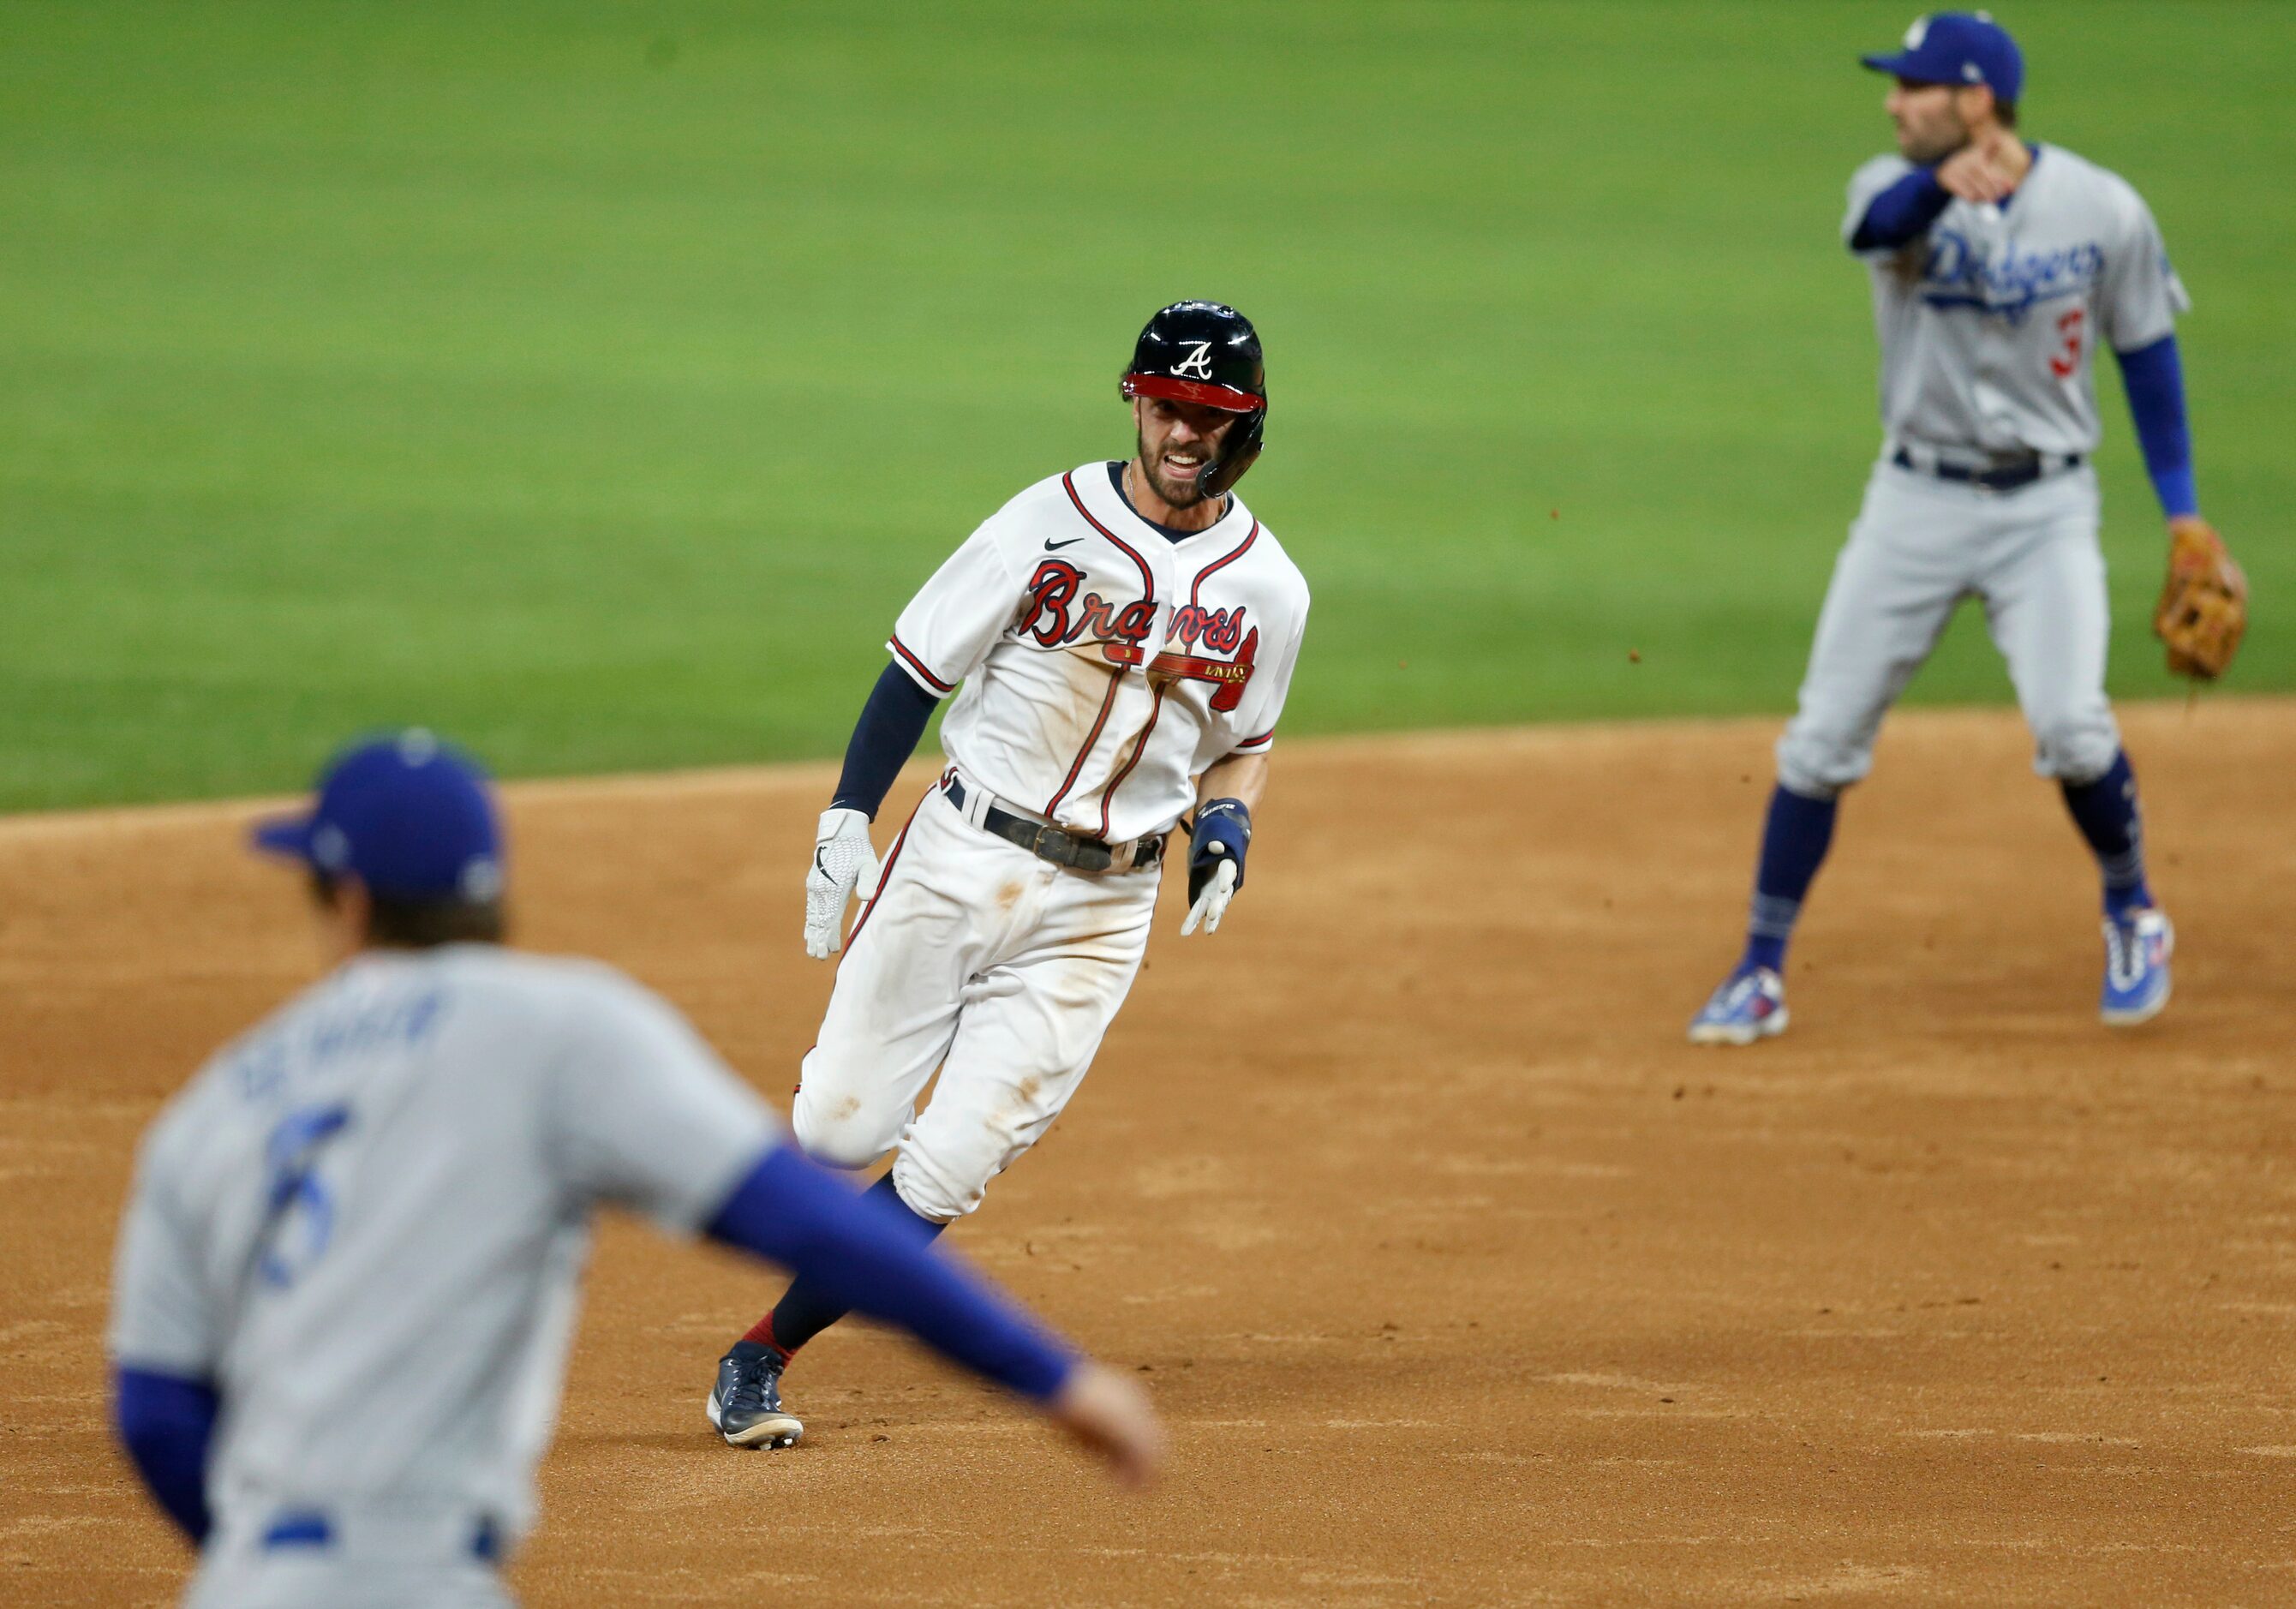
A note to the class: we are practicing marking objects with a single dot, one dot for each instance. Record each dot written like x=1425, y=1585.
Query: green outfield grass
x=595, y=383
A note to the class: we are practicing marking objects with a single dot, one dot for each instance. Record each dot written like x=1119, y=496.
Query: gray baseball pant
x=1920, y=545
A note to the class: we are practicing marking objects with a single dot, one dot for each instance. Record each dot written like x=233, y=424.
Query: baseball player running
x=1119, y=639
x=347, y=1276
x=1998, y=268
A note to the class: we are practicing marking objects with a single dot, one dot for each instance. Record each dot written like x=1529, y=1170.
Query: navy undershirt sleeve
x=2154, y=376
x=878, y=1260
x=892, y=724
x=166, y=1423
x=1901, y=213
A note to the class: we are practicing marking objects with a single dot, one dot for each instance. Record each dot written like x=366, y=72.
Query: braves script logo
x=1056, y=617
x=1197, y=363
x=1963, y=273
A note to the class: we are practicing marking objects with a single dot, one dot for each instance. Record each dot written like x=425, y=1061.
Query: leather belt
x=1058, y=845
x=2007, y=478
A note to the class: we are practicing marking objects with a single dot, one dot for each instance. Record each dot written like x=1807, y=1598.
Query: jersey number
x=299, y=1210
x=2069, y=326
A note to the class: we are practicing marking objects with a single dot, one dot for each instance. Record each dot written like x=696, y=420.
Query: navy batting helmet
x=1208, y=353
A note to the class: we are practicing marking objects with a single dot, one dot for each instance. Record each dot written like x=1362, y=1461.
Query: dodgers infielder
x=1998, y=268
x=347, y=1278
x=1124, y=636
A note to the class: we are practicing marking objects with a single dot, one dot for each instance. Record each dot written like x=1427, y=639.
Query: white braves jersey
x=1105, y=665
x=1990, y=322
x=365, y=1220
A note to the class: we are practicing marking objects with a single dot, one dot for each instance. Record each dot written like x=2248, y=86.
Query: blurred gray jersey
x=365, y=1220
x=1989, y=322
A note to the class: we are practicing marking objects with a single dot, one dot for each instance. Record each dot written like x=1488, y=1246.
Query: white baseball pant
x=1001, y=970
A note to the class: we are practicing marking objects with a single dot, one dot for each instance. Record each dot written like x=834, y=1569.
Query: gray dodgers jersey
x=365, y=1220
x=1989, y=322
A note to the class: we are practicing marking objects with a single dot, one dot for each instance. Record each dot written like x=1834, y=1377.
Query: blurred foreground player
x=348, y=1275
x=1998, y=267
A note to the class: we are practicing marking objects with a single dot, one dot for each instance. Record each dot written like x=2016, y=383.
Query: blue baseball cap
x=1958, y=47
x=406, y=814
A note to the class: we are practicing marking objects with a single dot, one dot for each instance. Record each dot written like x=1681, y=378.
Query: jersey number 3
x=299, y=1210
x=2066, y=362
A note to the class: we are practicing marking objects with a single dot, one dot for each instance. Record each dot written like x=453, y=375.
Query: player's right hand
x=1108, y=1413
x=842, y=859
x=1988, y=169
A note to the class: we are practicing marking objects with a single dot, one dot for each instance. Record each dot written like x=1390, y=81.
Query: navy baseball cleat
x=745, y=1405
x=2135, y=967
x=1750, y=1005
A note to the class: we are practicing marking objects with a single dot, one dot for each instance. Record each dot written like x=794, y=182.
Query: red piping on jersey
x=1147, y=576
x=885, y=873
x=1252, y=536
x=1115, y=680
x=918, y=665
x=1108, y=794
x=1252, y=742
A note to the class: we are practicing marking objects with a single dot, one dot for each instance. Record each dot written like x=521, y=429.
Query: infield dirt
x=1460, y=1277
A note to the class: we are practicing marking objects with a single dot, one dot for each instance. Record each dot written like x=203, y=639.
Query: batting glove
x=842, y=860
x=1222, y=832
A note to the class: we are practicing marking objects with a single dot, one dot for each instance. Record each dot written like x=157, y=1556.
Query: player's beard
x=1179, y=494
x=1950, y=137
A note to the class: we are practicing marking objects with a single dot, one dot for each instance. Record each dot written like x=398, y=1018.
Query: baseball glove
x=2204, y=605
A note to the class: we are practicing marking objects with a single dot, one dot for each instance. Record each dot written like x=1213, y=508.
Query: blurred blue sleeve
x=166, y=1424
x=1901, y=213
x=891, y=725
x=2154, y=376
x=874, y=1259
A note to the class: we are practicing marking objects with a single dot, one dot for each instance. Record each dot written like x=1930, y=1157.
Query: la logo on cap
x=482, y=879
x=1918, y=32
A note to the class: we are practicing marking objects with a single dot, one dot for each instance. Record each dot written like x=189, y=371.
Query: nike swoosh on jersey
x=1052, y=546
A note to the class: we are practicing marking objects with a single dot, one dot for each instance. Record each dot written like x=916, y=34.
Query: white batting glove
x=842, y=861
x=1211, y=905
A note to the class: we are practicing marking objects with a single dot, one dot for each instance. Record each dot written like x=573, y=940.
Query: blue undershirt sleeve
x=2154, y=376
x=1901, y=213
x=875, y=1260
x=892, y=724
x=166, y=1424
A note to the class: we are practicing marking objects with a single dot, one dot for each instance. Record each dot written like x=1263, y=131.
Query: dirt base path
x=1462, y=1279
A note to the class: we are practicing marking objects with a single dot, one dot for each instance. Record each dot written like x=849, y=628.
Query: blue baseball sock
x=1794, y=839
x=804, y=1308
x=2105, y=811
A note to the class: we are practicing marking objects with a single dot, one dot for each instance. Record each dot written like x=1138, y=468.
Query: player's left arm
x=2203, y=608
x=1226, y=795
x=163, y=1341
x=2154, y=377
x=1230, y=791
x=643, y=1113
x=2138, y=299
x=166, y=1424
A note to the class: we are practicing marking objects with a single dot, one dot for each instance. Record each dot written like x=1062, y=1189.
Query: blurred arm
x=166, y=1423
x=875, y=1261
x=1902, y=213
x=2154, y=376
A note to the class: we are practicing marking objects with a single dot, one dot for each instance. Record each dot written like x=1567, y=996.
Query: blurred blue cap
x=407, y=816
x=1958, y=47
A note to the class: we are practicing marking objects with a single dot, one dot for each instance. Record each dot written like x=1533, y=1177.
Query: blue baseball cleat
x=2137, y=949
x=745, y=1405
x=1750, y=1005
